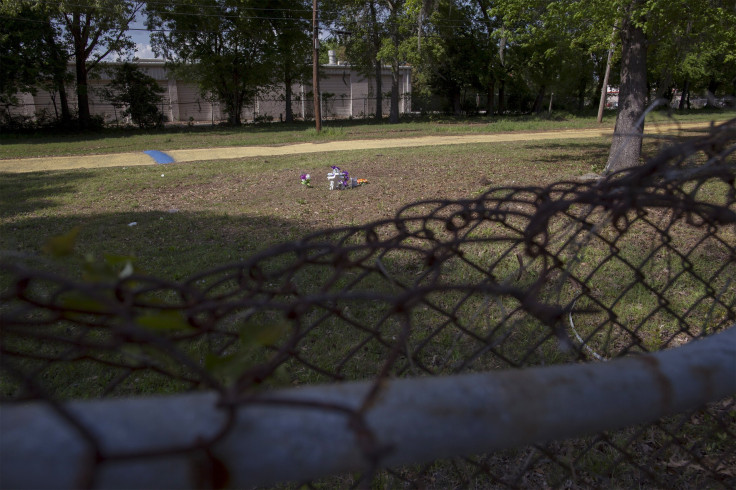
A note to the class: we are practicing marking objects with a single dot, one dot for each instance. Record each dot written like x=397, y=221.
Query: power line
x=325, y=26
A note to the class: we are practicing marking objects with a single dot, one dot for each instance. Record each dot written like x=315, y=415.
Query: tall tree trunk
x=490, y=91
x=456, y=99
x=80, y=60
x=394, y=114
x=502, y=59
x=66, y=114
x=59, y=62
x=288, y=113
x=234, y=106
x=626, y=146
x=685, y=94
x=603, y=85
x=82, y=93
x=239, y=110
x=581, y=95
x=664, y=87
x=540, y=98
x=502, y=97
x=712, y=85
x=483, y=6
x=376, y=47
x=379, y=93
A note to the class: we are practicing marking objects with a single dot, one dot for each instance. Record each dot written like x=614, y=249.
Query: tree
x=220, y=44
x=293, y=44
x=649, y=25
x=492, y=67
x=694, y=51
x=390, y=51
x=94, y=29
x=627, y=138
x=32, y=54
x=19, y=43
x=447, y=60
x=554, y=47
x=366, y=21
x=137, y=93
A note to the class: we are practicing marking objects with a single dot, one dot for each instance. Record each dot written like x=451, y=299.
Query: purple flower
x=304, y=176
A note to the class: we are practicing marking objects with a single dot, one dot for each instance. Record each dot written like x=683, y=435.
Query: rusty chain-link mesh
x=520, y=276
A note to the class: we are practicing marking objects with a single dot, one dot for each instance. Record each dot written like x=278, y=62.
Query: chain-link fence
x=509, y=340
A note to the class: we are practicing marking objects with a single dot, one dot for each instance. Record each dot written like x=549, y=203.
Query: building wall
x=346, y=94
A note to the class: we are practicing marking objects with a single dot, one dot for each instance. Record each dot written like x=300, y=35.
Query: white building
x=345, y=94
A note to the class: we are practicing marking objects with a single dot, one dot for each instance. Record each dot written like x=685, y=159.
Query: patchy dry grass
x=242, y=206
x=191, y=217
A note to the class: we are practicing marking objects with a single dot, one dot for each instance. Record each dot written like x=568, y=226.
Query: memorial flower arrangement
x=344, y=176
x=340, y=179
x=306, y=180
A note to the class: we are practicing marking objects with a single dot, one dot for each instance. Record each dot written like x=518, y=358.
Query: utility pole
x=315, y=68
x=604, y=90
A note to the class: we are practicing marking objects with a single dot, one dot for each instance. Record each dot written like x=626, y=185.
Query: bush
x=137, y=93
x=44, y=121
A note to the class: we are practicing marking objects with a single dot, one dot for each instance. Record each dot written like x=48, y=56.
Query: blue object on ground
x=159, y=156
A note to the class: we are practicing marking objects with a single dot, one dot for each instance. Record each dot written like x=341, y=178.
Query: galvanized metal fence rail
x=436, y=346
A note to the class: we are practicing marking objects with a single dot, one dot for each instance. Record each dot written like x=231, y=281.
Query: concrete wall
x=346, y=94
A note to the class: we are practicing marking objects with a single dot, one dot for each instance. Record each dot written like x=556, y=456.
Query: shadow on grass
x=565, y=152
x=25, y=193
x=583, y=146
x=174, y=245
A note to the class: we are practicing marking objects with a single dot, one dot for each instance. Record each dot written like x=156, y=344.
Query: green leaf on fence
x=230, y=367
x=111, y=268
x=125, y=264
x=164, y=321
x=263, y=334
x=117, y=260
x=80, y=302
x=61, y=245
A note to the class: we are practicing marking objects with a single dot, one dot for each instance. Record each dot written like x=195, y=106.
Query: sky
x=141, y=39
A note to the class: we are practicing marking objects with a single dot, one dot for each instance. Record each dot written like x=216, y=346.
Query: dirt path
x=192, y=155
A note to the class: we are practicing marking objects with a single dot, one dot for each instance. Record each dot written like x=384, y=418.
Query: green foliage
x=93, y=29
x=223, y=46
x=292, y=45
x=32, y=53
x=61, y=245
x=112, y=268
x=164, y=321
x=691, y=46
x=18, y=45
x=137, y=93
x=366, y=23
x=447, y=53
x=376, y=29
x=253, y=338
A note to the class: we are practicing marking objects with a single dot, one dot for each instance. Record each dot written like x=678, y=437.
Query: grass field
x=180, y=219
x=185, y=137
x=242, y=206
